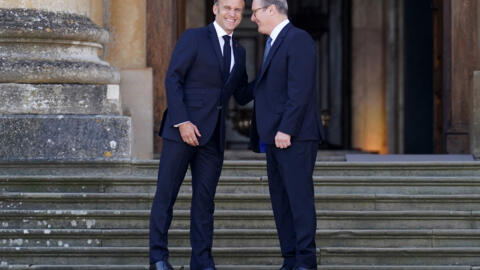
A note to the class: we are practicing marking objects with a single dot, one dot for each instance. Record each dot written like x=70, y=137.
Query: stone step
x=245, y=256
x=248, y=184
x=137, y=255
x=145, y=267
x=236, y=201
x=244, y=168
x=238, y=267
x=238, y=238
x=75, y=267
x=400, y=256
x=396, y=267
x=238, y=219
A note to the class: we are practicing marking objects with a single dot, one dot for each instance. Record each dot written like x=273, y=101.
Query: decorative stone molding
x=49, y=47
x=60, y=99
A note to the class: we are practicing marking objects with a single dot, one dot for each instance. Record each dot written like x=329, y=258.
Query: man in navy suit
x=206, y=68
x=286, y=123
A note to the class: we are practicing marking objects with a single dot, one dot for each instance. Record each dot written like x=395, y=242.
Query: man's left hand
x=282, y=140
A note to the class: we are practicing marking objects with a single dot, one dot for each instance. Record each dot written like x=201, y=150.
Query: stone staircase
x=391, y=215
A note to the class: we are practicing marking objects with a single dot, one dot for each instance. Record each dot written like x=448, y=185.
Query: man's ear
x=272, y=9
x=215, y=9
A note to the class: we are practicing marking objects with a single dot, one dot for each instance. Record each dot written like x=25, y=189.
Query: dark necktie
x=227, y=57
x=268, y=46
x=262, y=146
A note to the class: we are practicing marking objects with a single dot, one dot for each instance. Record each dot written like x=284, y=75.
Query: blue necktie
x=268, y=46
x=227, y=57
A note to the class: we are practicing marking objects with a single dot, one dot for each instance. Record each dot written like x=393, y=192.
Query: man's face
x=228, y=14
x=260, y=16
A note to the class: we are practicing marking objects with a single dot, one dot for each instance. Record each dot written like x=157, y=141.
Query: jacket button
x=219, y=107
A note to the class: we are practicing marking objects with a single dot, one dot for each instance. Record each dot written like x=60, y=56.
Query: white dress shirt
x=276, y=31
x=220, y=34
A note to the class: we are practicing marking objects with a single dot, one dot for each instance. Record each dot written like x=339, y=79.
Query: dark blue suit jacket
x=195, y=89
x=285, y=91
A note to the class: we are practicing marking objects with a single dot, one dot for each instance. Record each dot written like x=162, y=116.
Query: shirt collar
x=220, y=31
x=276, y=31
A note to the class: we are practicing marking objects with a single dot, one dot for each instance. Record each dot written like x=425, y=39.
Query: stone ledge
x=64, y=137
x=38, y=71
x=32, y=23
x=59, y=99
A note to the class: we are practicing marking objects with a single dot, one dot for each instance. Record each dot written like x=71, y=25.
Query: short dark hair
x=216, y=2
x=281, y=5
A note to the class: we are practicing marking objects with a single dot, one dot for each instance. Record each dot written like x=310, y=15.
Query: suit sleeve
x=244, y=92
x=301, y=82
x=182, y=59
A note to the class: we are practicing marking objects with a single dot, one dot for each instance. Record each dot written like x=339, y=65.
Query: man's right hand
x=189, y=133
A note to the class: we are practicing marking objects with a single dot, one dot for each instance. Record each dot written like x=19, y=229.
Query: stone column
x=80, y=7
x=58, y=100
x=127, y=51
x=368, y=84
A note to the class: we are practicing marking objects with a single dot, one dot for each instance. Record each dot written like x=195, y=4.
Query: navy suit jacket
x=285, y=91
x=195, y=88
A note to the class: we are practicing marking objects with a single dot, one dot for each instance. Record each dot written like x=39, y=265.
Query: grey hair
x=281, y=5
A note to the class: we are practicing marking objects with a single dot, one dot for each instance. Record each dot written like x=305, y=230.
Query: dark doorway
x=329, y=23
x=418, y=60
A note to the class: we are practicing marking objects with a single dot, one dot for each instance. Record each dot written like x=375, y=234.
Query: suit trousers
x=205, y=164
x=290, y=182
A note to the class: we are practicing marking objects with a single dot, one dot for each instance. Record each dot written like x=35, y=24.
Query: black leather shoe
x=210, y=268
x=161, y=265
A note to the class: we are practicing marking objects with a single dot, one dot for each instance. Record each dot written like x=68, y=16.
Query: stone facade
x=50, y=49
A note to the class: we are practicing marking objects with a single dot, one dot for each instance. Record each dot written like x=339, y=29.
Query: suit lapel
x=216, y=46
x=273, y=50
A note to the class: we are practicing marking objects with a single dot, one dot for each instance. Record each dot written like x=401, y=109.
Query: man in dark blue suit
x=286, y=123
x=206, y=68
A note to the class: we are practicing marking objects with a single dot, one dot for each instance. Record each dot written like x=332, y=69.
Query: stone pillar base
x=58, y=100
x=64, y=137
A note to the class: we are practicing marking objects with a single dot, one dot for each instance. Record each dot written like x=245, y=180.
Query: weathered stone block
x=46, y=71
x=64, y=137
x=59, y=99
